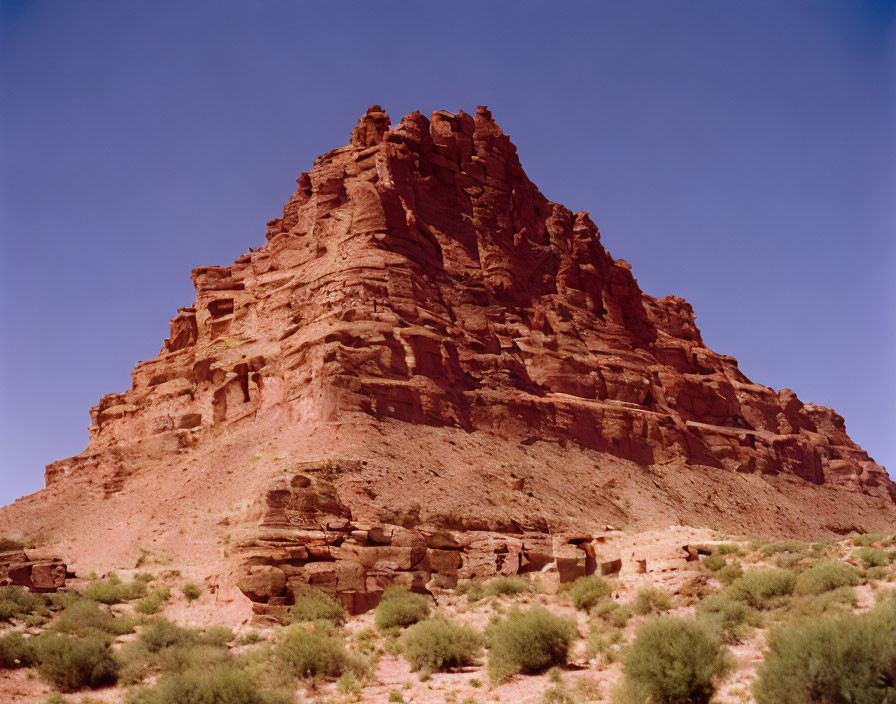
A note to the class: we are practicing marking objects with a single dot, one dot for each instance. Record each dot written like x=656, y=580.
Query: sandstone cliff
x=428, y=353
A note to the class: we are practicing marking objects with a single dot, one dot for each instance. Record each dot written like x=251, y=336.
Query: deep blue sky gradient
x=739, y=154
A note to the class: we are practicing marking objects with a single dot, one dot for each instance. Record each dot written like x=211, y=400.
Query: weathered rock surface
x=430, y=371
x=35, y=574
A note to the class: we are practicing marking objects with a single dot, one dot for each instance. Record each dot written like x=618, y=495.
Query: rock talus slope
x=431, y=371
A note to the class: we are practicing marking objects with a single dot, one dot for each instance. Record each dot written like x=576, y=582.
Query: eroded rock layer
x=418, y=279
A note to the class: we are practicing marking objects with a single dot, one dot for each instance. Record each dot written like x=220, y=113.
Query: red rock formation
x=420, y=290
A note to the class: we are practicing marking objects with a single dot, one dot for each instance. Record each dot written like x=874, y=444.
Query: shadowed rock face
x=418, y=279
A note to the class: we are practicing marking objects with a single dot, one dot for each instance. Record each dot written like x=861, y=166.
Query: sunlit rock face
x=431, y=369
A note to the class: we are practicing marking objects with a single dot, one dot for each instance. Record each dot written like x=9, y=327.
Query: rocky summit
x=430, y=372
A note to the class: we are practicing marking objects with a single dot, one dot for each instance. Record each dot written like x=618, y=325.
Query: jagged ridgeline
x=430, y=371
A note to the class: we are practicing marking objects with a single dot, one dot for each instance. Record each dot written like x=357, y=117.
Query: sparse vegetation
x=473, y=590
x=152, y=603
x=114, y=591
x=508, y=586
x=673, y=661
x=763, y=588
x=16, y=602
x=586, y=592
x=829, y=661
x=528, y=642
x=15, y=651
x=311, y=604
x=651, y=600
x=317, y=652
x=222, y=685
x=731, y=618
x=399, y=608
x=192, y=591
x=826, y=576
x=440, y=644
x=72, y=663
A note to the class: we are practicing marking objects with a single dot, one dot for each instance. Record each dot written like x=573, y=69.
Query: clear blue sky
x=738, y=154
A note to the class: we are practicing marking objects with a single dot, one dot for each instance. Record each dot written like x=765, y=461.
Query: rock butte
x=431, y=372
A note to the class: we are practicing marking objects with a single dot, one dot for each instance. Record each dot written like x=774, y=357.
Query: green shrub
x=15, y=651
x=152, y=602
x=866, y=539
x=763, y=588
x=876, y=573
x=831, y=661
x=651, y=600
x=727, y=549
x=588, y=591
x=222, y=685
x=114, y=591
x=85, y=617
x=729, y=573
x=828, y=602
x=163, y=646
x=439, y=644
x=791, y=546
x=673, y=661
x=731, y=618
x=873, y=557
x=714, y=562
x=16, y=602
x=70, y=663
x=314, y=605
x=316, y=653
x=606, y=646
x=192, y=591
x=474, y=590
x=825, y=576
x=528, y=642
x=508, y=586
x=398, y=608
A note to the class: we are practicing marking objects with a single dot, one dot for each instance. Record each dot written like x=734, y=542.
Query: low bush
x=830, y=661
x=730, y=618
x=472, y=589
x=651, y=600
x=729, y=573
x=152, y=603
x=15, y=651
x=714, y=562
x=192, y=591
x=791, y=546
x=114, y=591
x=85, y=617
x=16, y=602
x=826, y=576
x=163, y=646
x=833, y=601
x=673, y=661
x=72, y=663
x=314, y=605
x=873, y=557
x=222, y=685
x=399, y=608
x=763, y=588
x=727, y=549
x=528, y=642
x=604, y=645
x=439, y=644
x=508, y=586
x=866, y=539
x=588, y=591
x=316, y=653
